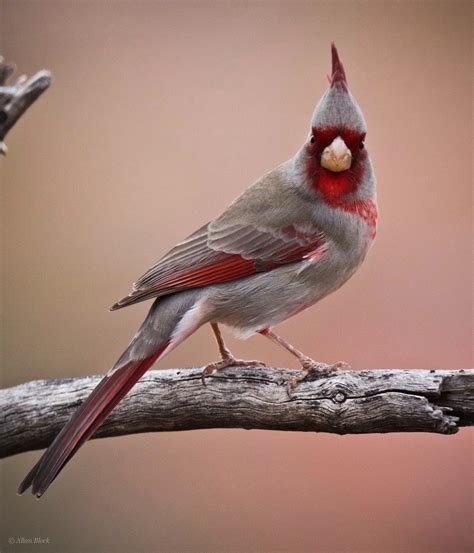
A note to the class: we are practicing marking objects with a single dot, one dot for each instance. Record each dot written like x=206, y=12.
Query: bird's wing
x=219, y=253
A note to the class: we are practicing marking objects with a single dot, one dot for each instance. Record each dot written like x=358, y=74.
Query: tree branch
x=344, y=403
x=15, y=99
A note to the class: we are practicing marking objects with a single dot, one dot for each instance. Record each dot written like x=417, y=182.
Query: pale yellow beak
x=336, y=157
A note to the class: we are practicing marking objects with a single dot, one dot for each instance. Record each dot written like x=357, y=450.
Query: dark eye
x=312, y=139
x=361, y=145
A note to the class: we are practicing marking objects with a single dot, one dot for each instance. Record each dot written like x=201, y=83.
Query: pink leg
x=228, y=360
x=308, y=364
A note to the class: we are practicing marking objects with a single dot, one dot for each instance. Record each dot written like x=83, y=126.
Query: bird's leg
x=308, y=364
x=228, y=360
x=223, y=349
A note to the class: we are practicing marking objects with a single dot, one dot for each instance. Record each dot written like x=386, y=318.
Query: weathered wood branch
x=344, y=403
x=16, y=98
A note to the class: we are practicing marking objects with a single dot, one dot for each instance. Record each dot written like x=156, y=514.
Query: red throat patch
x=335, y=187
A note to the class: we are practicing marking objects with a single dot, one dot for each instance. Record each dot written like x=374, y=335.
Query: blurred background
x=159, y=115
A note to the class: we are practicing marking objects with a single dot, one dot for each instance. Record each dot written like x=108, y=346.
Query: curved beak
x=336, y=157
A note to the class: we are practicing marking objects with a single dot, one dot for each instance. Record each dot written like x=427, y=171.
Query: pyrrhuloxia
x=292, y=238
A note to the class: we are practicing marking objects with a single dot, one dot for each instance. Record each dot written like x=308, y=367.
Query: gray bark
x=346, y=402
x=16, y=98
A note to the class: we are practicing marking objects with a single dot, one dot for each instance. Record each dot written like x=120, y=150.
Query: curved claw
x=310, y=366
x=341, y=366
x=227, y=362
x=243, y=362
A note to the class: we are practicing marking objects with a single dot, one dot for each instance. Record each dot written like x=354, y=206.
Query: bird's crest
x=338, y=74
x=337, y=109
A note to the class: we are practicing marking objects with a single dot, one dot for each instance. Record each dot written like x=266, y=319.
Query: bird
x=290, y=239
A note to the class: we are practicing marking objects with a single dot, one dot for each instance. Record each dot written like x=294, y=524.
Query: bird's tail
x=155, y=337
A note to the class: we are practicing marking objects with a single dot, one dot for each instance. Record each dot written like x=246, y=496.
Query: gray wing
x=222, y=252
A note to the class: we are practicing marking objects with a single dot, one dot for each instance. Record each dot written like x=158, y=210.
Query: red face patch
x=334, y=186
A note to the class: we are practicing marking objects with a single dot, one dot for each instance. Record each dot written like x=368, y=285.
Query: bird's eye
x=361, y=145
x=312, y=139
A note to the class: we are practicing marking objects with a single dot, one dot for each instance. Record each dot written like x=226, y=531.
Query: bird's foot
x=227, y=361
x=310, y=366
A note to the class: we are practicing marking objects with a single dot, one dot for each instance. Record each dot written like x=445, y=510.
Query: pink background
x=159, y=115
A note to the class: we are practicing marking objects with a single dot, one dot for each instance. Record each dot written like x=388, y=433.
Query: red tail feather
x=85, y=421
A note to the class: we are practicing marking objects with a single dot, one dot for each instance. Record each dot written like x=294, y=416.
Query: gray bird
x=296, y=235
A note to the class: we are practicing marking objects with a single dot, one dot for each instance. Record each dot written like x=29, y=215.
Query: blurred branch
x=16, y=98
x=252, y=398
